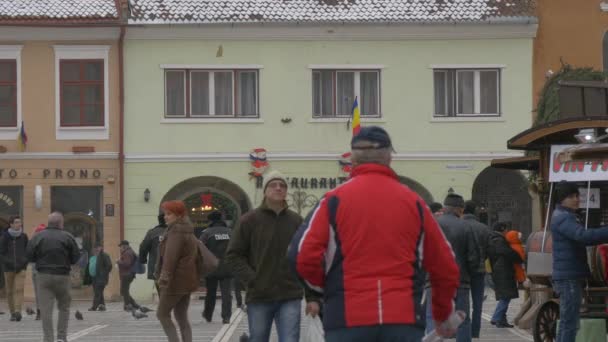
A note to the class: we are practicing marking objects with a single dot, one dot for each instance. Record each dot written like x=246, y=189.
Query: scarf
x=14, y=232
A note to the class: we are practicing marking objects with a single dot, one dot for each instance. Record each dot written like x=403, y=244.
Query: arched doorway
x=504, y=195
x=417, y=188
x=204, y=194
x=84, y=229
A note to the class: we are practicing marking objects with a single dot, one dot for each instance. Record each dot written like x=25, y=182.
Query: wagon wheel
x=545, y=325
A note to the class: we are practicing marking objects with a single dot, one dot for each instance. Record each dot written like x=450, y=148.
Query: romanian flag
x=22, y=137
x=356, y=118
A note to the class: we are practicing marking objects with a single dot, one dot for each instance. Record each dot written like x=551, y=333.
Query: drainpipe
x=121, y=137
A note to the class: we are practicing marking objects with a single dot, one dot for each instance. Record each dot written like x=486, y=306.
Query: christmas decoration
x=259, y=164
x=345, y=164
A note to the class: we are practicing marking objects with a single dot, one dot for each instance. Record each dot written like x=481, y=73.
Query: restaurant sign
x=576, y=170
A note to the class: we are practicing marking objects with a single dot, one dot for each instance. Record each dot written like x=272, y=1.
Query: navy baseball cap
x=374, y=134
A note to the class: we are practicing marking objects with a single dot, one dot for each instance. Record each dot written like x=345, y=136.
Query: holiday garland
x=548, y=103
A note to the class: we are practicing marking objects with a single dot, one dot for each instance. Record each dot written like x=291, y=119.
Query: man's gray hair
x=364, y=152
x=56, y=219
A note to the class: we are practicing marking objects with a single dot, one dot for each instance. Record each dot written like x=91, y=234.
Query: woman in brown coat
x=176, y=271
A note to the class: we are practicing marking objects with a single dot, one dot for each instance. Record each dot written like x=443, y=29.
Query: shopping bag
x=314, y=330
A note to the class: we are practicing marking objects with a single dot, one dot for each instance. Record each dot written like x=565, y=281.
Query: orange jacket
x=512, y=237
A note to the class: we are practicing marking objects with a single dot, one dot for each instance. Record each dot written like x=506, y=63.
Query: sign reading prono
x=575, y=171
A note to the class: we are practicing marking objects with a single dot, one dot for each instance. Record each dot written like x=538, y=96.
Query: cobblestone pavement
x=115, y=325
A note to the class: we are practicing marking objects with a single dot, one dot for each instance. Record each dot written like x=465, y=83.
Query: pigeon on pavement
x=78, y=315
x=144, y=309
x=138, y=314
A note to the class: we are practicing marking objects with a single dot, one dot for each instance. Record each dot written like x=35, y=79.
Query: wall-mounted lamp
x=38, y=196
x=147, y=195
x=585, y=136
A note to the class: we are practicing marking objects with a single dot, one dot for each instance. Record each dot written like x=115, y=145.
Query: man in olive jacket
x=257, y=255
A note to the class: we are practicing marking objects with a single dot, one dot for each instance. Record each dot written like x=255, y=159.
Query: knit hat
x=176, y=207
x=273, y=175
x=565, y=189
x=454, y=200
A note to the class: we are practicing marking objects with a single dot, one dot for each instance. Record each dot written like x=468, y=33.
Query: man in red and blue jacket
x=366, y=247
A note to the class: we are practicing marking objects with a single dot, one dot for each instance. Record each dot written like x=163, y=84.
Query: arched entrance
x=204, y=194
x=504, y=195
x=417, y=188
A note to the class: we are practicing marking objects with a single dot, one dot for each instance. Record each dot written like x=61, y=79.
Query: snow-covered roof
x=58, y=10
x=354, y=11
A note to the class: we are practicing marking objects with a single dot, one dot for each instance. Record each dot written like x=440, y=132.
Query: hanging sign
x=575, y=171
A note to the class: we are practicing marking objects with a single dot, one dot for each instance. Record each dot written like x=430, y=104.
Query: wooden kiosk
x=568, y=148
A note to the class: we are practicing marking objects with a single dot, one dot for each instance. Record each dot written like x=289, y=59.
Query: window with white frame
x=334, y=92
x=466, y=92
x=199, y=93
x=82, y=92
x=8, y=93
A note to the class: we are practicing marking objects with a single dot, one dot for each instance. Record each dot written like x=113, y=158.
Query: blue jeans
x=378, y=333
x=477, y=288
x=500, y=313
x=286, y=316
x=462, y=304
x=570, y=294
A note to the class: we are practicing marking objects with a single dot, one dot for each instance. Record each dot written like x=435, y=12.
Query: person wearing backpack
x=126, y=264
x=216, y=237
x=177, y=270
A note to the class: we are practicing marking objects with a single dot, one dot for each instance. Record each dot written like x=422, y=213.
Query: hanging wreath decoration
x=346, y=166
x=259, y=164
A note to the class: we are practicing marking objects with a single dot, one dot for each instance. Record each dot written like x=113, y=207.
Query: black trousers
x=225, y=289
x=125, y=290
x=237, y=292
x=98, y=295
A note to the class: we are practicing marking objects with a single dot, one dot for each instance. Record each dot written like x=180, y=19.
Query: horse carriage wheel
x=545, y=325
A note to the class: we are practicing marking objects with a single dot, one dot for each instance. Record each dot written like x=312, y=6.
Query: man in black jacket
x=481, y=233
x=149, y=246
x=460, y=235
x=216, y=237
x=97, y=273
x=54, y=251
x=13, y=243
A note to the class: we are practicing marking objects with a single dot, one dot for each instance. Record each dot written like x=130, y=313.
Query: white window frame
x=211, y=69
x=185, y=98
x=357, y=92
x=66, y=52
x=445, y=98
x=497, y=68
x=13, y=52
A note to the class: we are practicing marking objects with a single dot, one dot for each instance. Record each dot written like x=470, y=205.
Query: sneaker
x=504, y=324
x=18, y=316
x=101, y=307
x=206, y=317
x=226, y=321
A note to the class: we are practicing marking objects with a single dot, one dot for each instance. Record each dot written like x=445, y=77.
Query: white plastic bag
x=314, y=330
